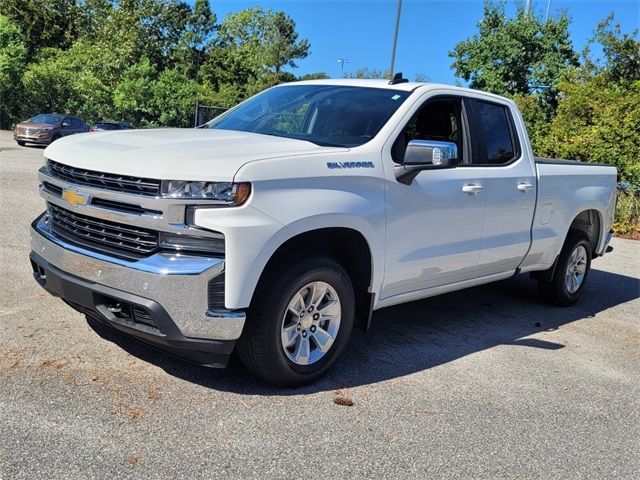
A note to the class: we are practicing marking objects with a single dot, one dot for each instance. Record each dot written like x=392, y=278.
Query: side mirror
x=426, y=155
x=65, y=124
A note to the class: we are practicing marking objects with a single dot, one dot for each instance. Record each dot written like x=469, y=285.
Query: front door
x=434, y=224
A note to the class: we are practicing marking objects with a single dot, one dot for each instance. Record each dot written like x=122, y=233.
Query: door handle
x=524, y=187
x=472, y=188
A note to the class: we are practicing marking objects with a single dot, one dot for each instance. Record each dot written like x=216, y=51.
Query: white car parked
x=296, y=214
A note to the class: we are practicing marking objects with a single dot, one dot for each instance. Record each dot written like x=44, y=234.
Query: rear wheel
x=571, y=273
x=299, y=323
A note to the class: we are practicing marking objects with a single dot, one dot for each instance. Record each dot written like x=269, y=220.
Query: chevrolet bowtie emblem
x=74, y=198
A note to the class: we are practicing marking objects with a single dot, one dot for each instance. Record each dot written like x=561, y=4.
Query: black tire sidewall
x=559, y=291
x=320, y=268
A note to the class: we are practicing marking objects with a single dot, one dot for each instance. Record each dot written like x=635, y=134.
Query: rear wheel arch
x=588, y=222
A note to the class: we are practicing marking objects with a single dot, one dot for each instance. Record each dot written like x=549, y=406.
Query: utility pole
x=395, y=38
x=527, y=7
x=342, y=61
x=196, y=115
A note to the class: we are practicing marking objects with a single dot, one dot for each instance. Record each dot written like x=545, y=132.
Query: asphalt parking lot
x=484, y=383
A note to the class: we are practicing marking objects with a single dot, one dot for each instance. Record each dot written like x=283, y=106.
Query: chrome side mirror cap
x=431, y=154
x=426, y=155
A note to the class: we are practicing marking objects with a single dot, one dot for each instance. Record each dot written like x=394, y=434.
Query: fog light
x=189, y=243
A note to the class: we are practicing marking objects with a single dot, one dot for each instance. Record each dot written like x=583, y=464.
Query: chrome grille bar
x=109, y=181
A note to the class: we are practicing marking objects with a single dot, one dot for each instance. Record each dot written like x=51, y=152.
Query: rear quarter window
x=498, y=143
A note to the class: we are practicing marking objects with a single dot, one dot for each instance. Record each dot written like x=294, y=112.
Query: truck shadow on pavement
x=419, y=335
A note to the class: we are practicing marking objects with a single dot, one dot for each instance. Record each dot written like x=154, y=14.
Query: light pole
x=546, y=19
x=395, y=38
x=342, y=61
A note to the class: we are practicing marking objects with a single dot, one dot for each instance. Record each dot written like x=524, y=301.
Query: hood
x=175, y=154
x=33, y=125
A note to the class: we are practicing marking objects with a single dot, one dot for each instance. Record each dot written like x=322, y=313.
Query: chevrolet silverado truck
x=290, y=218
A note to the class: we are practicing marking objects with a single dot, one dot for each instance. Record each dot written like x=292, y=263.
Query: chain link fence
x=204, y=113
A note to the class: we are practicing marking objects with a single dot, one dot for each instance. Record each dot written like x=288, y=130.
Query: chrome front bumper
x=178, y=283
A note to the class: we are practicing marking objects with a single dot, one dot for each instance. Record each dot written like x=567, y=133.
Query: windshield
x=44, y=118
x=328, y=115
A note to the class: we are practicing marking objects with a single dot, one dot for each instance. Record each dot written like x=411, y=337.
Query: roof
x=384, y=83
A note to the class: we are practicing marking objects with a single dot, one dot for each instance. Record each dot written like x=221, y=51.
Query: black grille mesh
x=102, y=235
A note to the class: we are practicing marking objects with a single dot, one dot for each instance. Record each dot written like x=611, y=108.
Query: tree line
x=577, y=105
x=143, y=60
x=148, y=61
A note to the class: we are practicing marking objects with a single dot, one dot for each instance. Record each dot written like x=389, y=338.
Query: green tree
x=251, y=50
x=173, y=98
x=134, y=94
x=281, y=43
x=516, y=56
x=314, y=76
x=621, y=51
x=13, y=54
x=598, y=117
x=44, y=23
x=200, y=26
x=367, y=73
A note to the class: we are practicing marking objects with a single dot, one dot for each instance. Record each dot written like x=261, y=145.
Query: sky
x=362, y=31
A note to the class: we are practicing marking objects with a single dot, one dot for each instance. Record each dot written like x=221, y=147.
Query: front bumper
x=161, y=299
x=37, y=138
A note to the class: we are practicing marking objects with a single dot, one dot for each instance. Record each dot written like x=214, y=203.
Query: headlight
x=229, y=193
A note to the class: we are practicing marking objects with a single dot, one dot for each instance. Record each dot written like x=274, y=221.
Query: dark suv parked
x=110, y=125
x=45, y=128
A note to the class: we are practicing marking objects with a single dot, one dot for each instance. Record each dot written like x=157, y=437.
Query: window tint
x=493, y=122
x=437, y=120
x=76, y=122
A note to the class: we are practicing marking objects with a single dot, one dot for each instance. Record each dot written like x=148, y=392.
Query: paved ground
x=483, y=383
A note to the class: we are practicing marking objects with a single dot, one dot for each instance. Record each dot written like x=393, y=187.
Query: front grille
x=110, y=181
x=117, y=239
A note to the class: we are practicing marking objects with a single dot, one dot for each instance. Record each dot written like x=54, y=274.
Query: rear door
x=510, y=187
x=66, y=128
x=78, y=125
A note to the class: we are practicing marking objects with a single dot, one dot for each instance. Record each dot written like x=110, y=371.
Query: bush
x=627, y=218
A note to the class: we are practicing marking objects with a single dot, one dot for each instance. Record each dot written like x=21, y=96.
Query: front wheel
x=571, y=273
x=299, y=323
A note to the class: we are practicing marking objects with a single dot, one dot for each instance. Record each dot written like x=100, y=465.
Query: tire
x=55, y=137
x=575, y=257
x=271, y=318
x=22, y=144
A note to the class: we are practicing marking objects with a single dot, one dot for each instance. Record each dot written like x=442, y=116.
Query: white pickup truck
x=292, y=217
